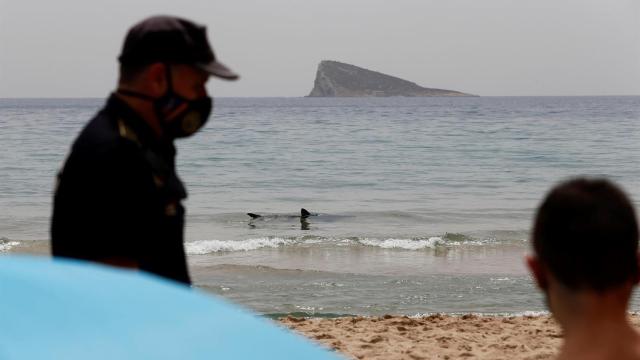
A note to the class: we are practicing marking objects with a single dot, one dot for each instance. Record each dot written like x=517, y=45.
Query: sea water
x=423, y=204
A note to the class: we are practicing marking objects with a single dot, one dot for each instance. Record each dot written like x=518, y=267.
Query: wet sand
x=436, y=336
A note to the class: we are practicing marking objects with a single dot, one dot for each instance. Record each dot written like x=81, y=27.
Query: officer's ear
x=636, y=277
x=156, y=78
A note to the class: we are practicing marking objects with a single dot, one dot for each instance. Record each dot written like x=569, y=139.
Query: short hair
x=129, y=73
x=586, y=233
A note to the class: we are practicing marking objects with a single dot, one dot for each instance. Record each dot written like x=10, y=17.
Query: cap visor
x=218, y=69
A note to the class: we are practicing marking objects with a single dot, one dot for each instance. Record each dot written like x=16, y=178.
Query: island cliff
x=336, y=79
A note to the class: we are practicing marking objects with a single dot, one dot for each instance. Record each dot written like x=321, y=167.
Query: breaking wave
x=6, y=244
x=407, y=244
x=202, y=247
x=213, y=246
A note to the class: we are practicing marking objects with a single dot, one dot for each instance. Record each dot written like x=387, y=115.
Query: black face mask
x=177, y=123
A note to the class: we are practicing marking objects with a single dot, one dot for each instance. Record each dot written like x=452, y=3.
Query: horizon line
x=320, y=97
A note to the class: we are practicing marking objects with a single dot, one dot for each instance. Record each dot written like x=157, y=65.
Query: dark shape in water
x=304, y=214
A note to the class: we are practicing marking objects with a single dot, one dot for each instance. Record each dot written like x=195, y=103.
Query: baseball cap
x=172, y=40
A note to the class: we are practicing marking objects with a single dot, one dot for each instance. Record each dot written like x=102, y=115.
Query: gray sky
x=68, y=48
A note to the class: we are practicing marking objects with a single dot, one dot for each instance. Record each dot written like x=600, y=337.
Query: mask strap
x=169, y=79
x=139, y=95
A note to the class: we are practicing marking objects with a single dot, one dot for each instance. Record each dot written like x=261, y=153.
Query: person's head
x=167, y=61
x=585, y=238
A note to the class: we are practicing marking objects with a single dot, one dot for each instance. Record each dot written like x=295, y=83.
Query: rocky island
x=336, y=79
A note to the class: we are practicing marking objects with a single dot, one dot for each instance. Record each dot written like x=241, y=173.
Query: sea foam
x=407, y=244
x=202, y=247
x=6, y=245
x=212, y=246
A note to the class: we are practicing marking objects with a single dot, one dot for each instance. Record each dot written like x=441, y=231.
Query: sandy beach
x=436, y=336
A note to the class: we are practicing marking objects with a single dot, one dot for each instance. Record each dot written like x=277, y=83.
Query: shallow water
x=423, y=204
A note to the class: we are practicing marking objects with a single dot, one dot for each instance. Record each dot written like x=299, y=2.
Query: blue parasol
x=65, y=309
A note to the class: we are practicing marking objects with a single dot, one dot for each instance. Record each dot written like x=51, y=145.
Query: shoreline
x=524, y=335
x=437, y=336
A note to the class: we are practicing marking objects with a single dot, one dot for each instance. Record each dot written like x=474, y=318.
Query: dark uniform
x=119, y=197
